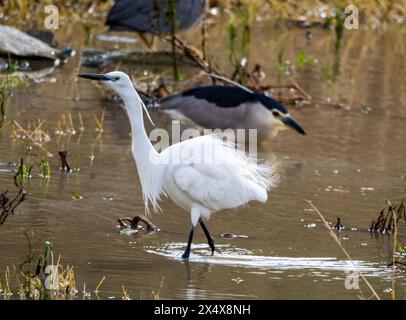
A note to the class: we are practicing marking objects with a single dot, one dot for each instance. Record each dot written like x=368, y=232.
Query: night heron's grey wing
x=188, y=13
x=206, y=114
x=131, y=15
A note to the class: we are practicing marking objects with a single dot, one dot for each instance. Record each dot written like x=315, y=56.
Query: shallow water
x=351, y=161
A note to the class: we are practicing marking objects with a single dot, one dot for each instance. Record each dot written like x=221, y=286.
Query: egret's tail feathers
x=262, y=174
x=154, y=202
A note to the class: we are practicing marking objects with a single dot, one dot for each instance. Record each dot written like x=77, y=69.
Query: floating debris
x=129, y=231
x=366, y=109
x=365, y=189
x=310, y=225
x=129, y=223
x=238, y=280
x=227, y=235
x=76, y=195
x=335, y=189
x=232, y=236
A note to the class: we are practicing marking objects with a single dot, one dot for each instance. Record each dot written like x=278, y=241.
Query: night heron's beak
x=293, y=124
x=94, y=76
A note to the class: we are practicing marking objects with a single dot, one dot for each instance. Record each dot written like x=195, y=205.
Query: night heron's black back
x=151, y=15
x=230, y=96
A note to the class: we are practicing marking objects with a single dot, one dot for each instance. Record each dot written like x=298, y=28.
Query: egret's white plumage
x=212, y=175
x=202, y=175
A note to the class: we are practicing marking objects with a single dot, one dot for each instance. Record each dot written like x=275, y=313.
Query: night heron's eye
x=276, y=114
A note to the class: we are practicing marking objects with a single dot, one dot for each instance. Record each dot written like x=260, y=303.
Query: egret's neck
x=147, y=159
x=141, y=146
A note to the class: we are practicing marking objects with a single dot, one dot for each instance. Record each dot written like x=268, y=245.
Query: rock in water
x=16, y=42
x=43, y=35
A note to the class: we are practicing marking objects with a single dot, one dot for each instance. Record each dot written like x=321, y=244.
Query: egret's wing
x=212, y=188
x=229, y=181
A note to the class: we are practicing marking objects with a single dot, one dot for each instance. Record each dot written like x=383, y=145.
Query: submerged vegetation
x=6, y=86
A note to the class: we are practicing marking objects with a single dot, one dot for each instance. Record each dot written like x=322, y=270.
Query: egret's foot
x=186, y=255
x=211, y=245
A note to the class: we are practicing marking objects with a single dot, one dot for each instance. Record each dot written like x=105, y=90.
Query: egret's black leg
x=186, y=254
x=208, y=236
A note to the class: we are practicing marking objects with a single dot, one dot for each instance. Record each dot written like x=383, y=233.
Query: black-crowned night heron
x=151, y=15
x=224, y=107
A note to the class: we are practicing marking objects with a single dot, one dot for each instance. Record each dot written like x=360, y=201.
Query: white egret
x=202, y=175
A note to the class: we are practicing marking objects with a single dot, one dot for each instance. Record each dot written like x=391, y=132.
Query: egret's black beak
x=94, y=76
x=293, y=124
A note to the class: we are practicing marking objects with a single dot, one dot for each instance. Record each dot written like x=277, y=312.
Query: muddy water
x=351, y=161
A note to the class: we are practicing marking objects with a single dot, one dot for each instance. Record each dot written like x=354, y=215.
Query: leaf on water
x=76, y=195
